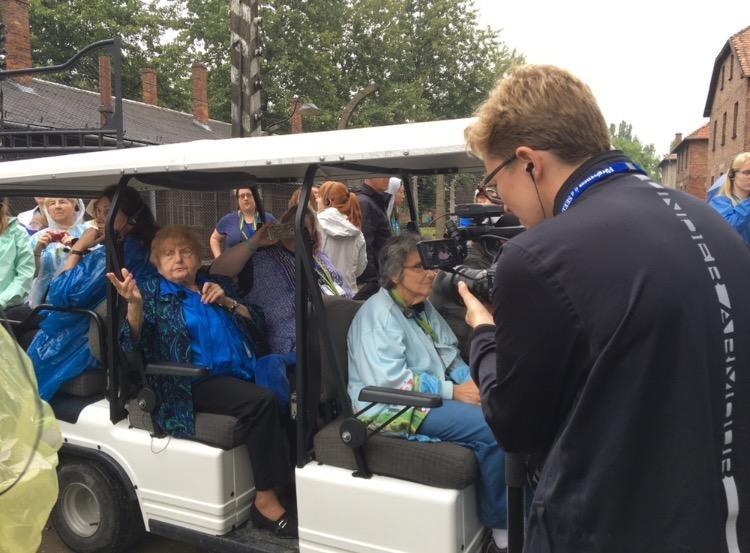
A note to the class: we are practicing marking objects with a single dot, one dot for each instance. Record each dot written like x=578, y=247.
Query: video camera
x=489, y=227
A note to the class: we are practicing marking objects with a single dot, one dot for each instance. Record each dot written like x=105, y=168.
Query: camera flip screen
x=436, y=254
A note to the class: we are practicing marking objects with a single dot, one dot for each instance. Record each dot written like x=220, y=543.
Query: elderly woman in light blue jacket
x=399, y=340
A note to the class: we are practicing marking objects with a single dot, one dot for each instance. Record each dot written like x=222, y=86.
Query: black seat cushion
x=211, y=429
x=88, y=383
x=219, y=430
x=439, y=464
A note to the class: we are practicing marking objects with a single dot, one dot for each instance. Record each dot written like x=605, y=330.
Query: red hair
x=336, y=194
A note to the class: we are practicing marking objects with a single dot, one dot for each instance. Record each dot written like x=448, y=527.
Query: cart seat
x=439, y=464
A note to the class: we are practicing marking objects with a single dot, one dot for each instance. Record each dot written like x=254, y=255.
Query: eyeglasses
x=245, y=196
x=418, y=267
x=488, y=179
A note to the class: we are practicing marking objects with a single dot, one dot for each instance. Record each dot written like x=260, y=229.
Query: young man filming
x=619, y=339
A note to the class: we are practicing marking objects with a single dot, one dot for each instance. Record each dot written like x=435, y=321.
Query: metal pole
x=118, y=117
x=439, y=206
x=245, y=68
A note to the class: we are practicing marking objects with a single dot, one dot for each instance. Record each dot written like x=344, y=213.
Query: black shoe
x=285, y=527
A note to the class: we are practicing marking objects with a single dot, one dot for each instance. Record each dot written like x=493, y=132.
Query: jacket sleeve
x=83, y=285
x=736, y=215
x=369, y=231
x=380, y=360
x=147, y=340
x=528, y=365
x=361, y=255
x=24, y=268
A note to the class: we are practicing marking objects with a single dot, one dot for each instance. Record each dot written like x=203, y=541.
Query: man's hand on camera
x=466, y=392
x=476, y=312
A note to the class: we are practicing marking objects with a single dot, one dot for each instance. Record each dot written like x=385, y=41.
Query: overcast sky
x=649, y=62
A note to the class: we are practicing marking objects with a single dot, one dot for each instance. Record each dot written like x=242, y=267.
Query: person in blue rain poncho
x=51, y=246
x=732, y=200
x=399, y=340
x=60, y=349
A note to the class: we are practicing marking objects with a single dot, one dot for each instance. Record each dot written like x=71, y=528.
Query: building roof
x=45, y=104
x=739, y=45
x=669, y=158
x=701, y=133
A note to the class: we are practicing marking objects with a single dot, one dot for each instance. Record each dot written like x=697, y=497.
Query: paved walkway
x=150, y=544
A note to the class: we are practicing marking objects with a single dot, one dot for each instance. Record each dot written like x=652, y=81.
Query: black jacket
x=375, y=228
x=622, y=350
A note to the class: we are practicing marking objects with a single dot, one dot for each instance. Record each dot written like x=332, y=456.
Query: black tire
x=93, y=513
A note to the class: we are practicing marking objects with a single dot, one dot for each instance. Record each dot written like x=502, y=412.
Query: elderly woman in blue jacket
x=181, y=317
x=398, y=340
x=733, y=199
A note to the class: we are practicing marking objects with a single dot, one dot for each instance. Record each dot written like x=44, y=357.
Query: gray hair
x=393, y=256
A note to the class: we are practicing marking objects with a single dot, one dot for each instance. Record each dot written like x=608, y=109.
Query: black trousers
x=256, y=407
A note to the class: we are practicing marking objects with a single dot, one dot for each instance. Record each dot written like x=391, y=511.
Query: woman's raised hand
x=212, y=293
x=261, y=237
x=127, y=288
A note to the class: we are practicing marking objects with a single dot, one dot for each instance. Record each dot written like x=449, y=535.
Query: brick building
x=728, y=104
x=31, y=104
x=692, y=155
x=668, y=170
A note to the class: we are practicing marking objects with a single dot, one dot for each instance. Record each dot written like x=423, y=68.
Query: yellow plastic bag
x=29, y=440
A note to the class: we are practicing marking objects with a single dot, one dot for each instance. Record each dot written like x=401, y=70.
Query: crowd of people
x=606, y=390
x=235, y=316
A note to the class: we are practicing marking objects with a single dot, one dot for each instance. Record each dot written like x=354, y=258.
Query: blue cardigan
x=165, y=337
x=387, y=349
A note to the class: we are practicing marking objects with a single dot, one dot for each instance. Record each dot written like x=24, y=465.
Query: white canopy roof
x=417, y=146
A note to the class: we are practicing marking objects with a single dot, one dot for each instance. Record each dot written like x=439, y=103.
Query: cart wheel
x=93, y=513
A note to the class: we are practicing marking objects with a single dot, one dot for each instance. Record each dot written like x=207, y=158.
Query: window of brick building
x=713, y=142
x=734, y=119
x=724, y=128
x=731, y=67
x=722, y=77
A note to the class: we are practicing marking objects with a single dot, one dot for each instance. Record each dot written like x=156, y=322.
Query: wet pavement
x=51, y=543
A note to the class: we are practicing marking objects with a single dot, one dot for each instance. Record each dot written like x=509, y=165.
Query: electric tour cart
x=355, y=492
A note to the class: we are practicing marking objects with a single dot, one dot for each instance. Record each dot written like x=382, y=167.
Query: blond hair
x=177, y=233
x=542, y=107
x=3, y=214
x=727, y=187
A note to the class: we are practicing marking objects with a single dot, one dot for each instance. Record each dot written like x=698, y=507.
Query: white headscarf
x=80, y=214
x=393, y=185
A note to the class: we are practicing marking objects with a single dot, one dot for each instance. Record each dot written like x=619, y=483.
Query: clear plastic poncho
x=54, y=255
x=29, y=440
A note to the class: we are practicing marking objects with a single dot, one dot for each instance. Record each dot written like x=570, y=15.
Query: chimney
x=105, y=90
x=148, y=85
x=295, y=108
x=200, y=92
x=15, y=15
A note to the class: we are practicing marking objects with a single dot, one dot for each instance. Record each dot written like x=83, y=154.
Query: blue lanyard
x=242, y=225
x=600, y=175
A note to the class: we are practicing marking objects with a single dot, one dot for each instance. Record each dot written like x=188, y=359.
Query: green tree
x=431, y=58
x=643, y=154
x=60, y=28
